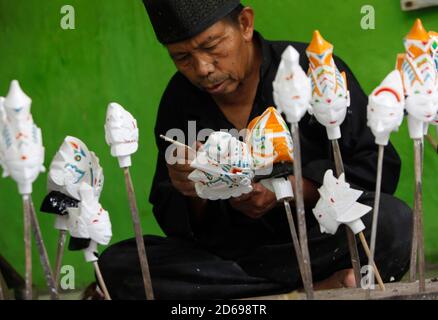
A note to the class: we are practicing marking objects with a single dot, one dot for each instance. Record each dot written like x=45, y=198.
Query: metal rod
x=102, y=284
x=147, y=282
x=418, y=213
x=44, y=258
x=295, y=241
x=376, y=272
x=376, y=208
x=301, y=214
x=59, y=255
x=27, y=249
x=352, y=244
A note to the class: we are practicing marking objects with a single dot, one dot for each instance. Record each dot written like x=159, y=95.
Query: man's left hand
x=256, y=203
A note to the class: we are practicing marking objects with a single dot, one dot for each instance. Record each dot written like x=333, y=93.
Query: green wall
x=112, y=55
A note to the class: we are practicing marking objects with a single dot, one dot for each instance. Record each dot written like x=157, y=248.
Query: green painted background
x=112, y=55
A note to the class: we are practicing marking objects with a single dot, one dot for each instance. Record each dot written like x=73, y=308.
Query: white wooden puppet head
x=292, y=89
x=72, y=165
x=222, y=168
x=419, y=75
x=21, y=145
x=330, y=95
x=121, y=133
x=338, y=205
x=386, y=108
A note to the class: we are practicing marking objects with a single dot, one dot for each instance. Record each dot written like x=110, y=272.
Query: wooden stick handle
x=301, y=214
x=179, y=144
x=147, y=282
x=44, y=257
x=352, y=245
x=59, y=255
x=102, y=284
x=432, y=142
x=418, y=213
x=295, y=241
x=27, y=249
x=368, y=253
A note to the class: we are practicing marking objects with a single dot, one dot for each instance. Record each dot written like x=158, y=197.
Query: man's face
x=216, y=60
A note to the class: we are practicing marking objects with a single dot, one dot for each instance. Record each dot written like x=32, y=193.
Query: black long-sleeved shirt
x=225, y=230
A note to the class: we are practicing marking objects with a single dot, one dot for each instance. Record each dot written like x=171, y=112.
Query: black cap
x=179, y=20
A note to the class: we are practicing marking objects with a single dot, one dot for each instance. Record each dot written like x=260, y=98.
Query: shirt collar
x=266, y=54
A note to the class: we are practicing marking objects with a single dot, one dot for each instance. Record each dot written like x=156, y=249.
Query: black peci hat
x=179, y=20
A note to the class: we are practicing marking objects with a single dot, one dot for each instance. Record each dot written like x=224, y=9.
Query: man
x=242, y=247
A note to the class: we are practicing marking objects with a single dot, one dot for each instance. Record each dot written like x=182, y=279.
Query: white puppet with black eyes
x=76, y=172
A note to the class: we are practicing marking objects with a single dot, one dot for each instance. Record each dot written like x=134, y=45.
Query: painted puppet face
x=326, y=217
x=419, y=75
x=223, y=168
x=434, y=47
x=21, y=145
x=121, y=131
x=330, y=96
x=337, y=204
x=292, y=89
x=89, y=220
x=27, y=164
x=90, y=224
x=330, y=116
x=422, y=107
x=269, y=140
x=99, y=226
x=74, y=164
x=386, y=107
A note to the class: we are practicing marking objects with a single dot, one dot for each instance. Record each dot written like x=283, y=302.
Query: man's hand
x=256, y=203
x=179, y=172
x=261, y=200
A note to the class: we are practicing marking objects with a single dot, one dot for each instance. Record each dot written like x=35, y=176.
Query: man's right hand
x=179, y=172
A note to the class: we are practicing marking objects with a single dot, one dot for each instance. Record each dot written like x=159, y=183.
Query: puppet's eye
x=372, y=109
x=391, y=114
x=78, y=158
x=320, y=216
